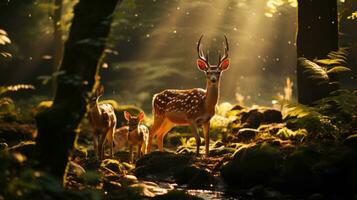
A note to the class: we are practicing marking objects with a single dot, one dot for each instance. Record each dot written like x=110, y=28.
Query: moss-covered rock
x=246, y=134
x=252, y=165
x=161, y=165
x=298, y=172
x=194, y=176
x=173, y=167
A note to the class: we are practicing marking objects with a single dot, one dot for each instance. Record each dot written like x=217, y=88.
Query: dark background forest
x=152, y=47
x=79, y=84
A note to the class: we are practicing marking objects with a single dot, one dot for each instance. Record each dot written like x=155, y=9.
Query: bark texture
x=58, y=126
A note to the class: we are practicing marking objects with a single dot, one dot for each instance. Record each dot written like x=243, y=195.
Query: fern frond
x=313, y=70
x=338, y=69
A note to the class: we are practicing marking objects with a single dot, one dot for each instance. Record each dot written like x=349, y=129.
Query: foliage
x=353, y=16
x=332, y=115
x=321, y=69
x=8, y=110
x=4, y=39
x=15, y=88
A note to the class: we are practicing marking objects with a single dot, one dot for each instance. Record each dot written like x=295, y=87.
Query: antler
x=200, y=52
x=226, y=49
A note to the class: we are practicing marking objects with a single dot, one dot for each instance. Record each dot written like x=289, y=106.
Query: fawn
x=193, y=107
x=103, y=120
x=135, y=134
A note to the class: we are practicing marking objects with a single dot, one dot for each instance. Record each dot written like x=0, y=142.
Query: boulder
x=272, y=116
x=255, y=117
x=252, y=165
x=161, y=165
x=172, y=167
x=194, y=176
x=246, y=134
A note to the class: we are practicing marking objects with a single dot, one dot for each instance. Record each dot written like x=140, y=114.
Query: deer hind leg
x=101, y=146
x=165, y=127
x=153, y=131
x=139, y=150
x=205, y=128
x=194, y=130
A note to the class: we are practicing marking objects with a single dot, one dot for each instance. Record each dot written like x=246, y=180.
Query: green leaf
x=338, y=69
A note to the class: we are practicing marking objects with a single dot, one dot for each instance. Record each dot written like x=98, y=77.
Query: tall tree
x=58, y=40
x=58, y=126
x=317, y=36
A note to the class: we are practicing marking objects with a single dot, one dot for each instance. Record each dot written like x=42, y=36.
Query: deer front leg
x=194, y=130
x=206, y=135
x=110, y=137
x=139, y=151
x=131, y=156
x=95, y=145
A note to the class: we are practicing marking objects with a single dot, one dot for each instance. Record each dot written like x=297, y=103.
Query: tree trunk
x=317, y=36
x=58, y=126
x=58, y=41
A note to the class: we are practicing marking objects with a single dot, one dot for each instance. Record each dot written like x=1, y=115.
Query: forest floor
x=257, y=154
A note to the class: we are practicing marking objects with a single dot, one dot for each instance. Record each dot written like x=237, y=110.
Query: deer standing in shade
x=134, y=133
x=193, y=107
x=103, y=120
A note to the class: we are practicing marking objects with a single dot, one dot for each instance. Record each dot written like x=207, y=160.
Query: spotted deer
x=103, y=121
x=192, y=107
x=135, y=133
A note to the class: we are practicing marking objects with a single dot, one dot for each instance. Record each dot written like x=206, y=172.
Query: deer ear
x=224, y=64
x=127, y=115
x=141, y=115
x=202, y=65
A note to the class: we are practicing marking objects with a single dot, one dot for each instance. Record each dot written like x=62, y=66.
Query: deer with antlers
x=193, y=107
x=103, y=120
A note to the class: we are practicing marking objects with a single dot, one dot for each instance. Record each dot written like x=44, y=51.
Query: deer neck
x=96, y=110
x=212, y=94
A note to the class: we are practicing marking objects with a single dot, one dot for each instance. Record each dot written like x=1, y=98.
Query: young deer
x=135, y=134
x=103, y=120
x=193, y=107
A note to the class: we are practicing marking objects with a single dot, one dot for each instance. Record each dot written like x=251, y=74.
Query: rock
x=128, y=180
x=246, y=134
x=162, y=165
x=351, y=141
x=112, y=165
x=194, y=176
x=252, y=119
x=111, y=185
x=237, y=107
x=272, y=116
x=298, y=170
x=254, y=165
x=255, y=117
x=14, y=132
